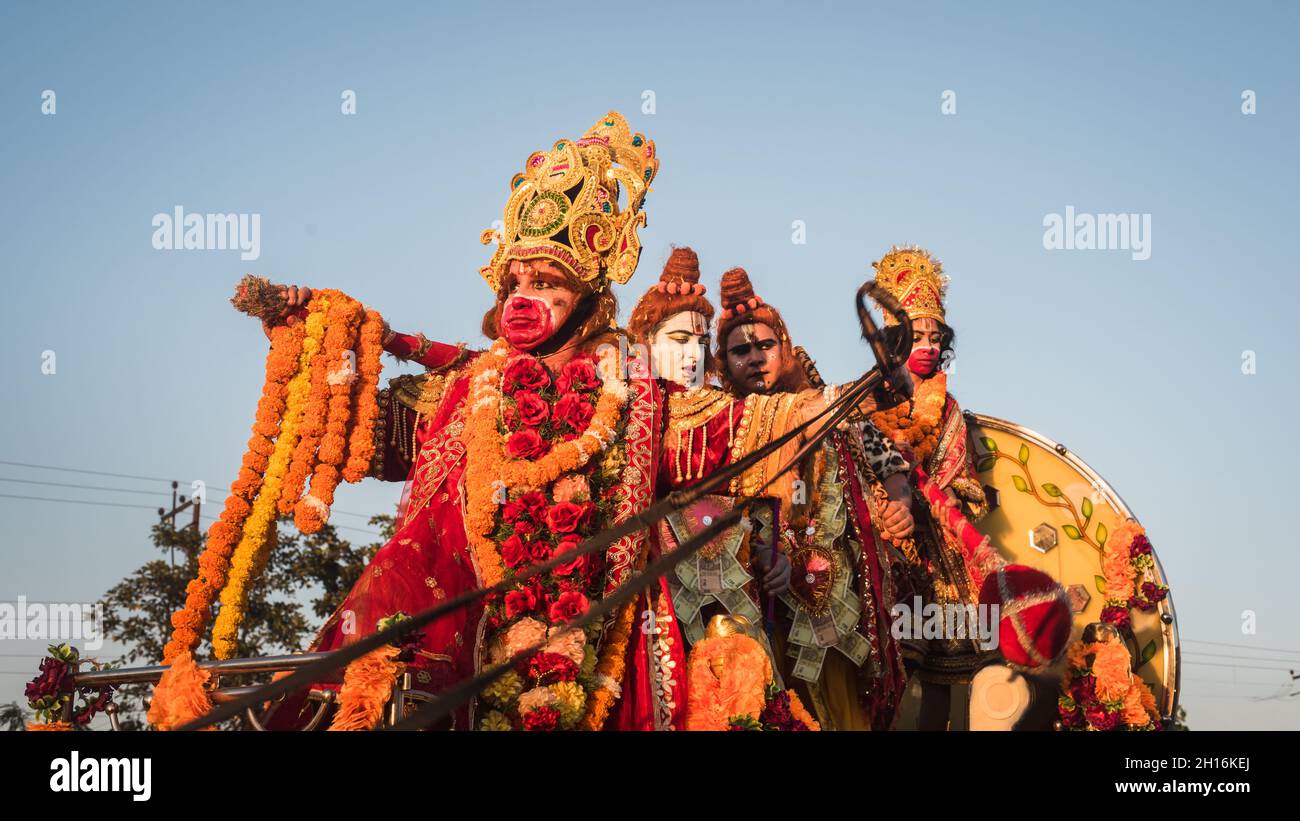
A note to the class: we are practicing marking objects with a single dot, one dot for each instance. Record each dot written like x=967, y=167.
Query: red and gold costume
x=507, y=463
x=707, y=429
x=931, y=433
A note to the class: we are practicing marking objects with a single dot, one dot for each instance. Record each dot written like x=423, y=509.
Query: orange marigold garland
x=181, y=696
x=34, y=727
x=312, y=426
x=361, y=444
x=1128, y=564
x=254, y=548
x=916, y=424
x=181, y=692
x=367, y=687
x=612, y=662
x=343, y=322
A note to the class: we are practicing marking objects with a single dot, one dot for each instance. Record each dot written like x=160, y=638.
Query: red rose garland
x=549, y=690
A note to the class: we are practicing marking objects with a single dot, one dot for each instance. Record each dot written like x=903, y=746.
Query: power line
x=1246, y=658
x=1270, y=686
x=225, y=490
x=83, y=487
x=149, y=507
x=75, y=501
x=79, y=470
x=1237, y=666
x=1242, y=646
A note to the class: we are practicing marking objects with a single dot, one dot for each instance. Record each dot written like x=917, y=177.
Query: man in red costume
x=516, y=454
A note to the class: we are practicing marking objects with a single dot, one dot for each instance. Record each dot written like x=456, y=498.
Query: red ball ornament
x=1033, y=619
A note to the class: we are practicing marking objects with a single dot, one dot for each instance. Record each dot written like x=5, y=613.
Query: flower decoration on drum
x=1129, y=583
x=1099, y=690
x=564, y=206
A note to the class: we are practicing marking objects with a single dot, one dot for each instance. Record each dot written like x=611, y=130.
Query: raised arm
x=435, y=356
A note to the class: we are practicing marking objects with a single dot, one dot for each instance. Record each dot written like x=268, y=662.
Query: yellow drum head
x=1051, y=511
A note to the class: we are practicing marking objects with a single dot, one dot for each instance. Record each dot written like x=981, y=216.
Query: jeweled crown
x=915, y=279
x=564, y=206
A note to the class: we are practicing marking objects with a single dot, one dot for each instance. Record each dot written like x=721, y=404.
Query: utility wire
x=148, y=507
x=1239, y=646
x=119, y=476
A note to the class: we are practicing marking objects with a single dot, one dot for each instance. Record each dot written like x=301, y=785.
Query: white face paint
x=678, y=348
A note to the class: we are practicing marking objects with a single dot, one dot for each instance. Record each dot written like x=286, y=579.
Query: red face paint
x=923, y=361
x=526, y=323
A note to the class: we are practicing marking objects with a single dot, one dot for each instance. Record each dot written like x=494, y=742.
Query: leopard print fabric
x=884, y=458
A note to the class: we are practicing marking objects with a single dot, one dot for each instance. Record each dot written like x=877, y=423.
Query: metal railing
x=402, y=694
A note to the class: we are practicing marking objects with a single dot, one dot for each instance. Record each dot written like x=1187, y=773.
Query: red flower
x=570, y=583
x=535, y=502
x=568, y=606
x=566, y=517
x=524, y=529
x=543, y=718
x=575, y=565
x=1083, y=689
x=526, y=373
x=1140, y=546
x=539, y=551
x=533, y=410
x=545, y=668
x=1071, y=717
x=514, y=552
x=1115, y=615
x=520, y=602
x=574, y=411
x=1153, y=592
x=578, y=375
x=1101, y=719
x=511, y=512
x=526, y=444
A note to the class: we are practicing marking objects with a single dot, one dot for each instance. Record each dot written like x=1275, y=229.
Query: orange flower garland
x=487, y=466
x=361, y=446
x=343, y=321
x=274, y=470
x=36, y=727
x=800, y=712
x=367, y=685
x=254, y=548
x=610, y=667
x=916, y=424
x=312, y=426
x=726, y=676
x=181, y=695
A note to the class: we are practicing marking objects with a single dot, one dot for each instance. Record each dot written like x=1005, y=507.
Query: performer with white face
x=679, y=348
x=672, y=321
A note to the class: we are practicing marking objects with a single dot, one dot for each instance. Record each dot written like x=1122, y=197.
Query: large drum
x=1054, y=513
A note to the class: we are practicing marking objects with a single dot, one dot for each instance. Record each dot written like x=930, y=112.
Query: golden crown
x=564, y=206
x=915, y=279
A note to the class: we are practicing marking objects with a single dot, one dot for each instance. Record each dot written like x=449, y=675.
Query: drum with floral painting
x=1051, y=511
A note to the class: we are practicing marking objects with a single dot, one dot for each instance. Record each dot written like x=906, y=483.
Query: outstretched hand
x=295, y=296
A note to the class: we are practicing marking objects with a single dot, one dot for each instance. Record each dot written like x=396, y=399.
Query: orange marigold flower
x=1111, y=668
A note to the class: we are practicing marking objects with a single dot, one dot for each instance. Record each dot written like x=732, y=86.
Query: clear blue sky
x=765, y=114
